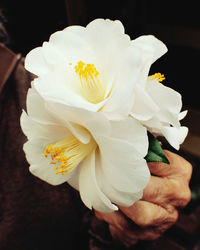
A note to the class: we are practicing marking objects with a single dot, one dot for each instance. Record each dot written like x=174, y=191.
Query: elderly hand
x=149, y=217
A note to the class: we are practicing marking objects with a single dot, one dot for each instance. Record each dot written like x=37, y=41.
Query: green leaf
x=155, y=152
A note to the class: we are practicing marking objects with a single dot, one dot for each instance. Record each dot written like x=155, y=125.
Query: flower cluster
x=89, y=110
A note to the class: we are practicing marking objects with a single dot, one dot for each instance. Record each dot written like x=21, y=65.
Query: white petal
x=72, y=43
x=33, y=129
x=48, y=90
x=90, y=192
x=167, y=117
x=105, y=26
x=164, y=97
x=40, y=167
x=107, y=40
x=39, y=113
x=183, y=114
x=95, y=122
x=153, y=125
x=151, y=49
x=175, y=136
x=104, y=35
x=45, y=172
x=152, y=45
x=74, y=178
x=52, y=55
x=36, y=108
x=34, y=149
x=124, y=167
x=36, y=63
x=131, y=131
x=127, y=75
x=120, y=198
x=144, y=107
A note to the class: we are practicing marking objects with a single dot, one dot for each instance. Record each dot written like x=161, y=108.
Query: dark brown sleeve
x=8, y=62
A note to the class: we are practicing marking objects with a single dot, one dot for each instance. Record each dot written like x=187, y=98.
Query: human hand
x=167, y=190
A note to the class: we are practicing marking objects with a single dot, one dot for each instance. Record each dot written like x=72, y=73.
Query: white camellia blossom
x=99, y=68
x=89, y=109
x=103, y=159
x=157, y=106
x=96, y=67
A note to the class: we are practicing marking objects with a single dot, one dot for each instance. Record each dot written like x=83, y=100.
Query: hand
x=167, y=190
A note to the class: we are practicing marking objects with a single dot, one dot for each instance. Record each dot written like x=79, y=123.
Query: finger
x=178, y=167
x=116, y=219
x=159, y=191
x=167, y=192
x=126, y=231
x=122, y=228
x=147, y=214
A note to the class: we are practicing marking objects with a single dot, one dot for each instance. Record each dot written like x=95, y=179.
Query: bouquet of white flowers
x=93, y=109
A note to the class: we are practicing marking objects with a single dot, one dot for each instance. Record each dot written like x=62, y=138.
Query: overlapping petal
x=115, y=172
x=90, y=192
x=160, y=112
x=110, y=127
x=122, y=64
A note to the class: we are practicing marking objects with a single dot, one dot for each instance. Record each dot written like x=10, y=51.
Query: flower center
x=157, y=76
x=92, y=88
x=67, y=154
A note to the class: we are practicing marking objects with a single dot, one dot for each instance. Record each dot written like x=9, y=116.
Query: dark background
x=176, y=23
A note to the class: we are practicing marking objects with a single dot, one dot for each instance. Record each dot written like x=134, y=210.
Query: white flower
x=96, y=68
x=90, y=80
x=102, y=159
x=157, y=106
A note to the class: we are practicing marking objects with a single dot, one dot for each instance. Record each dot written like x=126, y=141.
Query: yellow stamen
x=157, y=76
x=92, y=88
x=67, y=154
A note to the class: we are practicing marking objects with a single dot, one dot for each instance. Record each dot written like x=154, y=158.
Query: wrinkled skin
x=148, y=218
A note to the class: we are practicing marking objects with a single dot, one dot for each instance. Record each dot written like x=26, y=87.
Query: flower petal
x=52, y=55
x=45, y=172
x=126, y=170
x=107, y=39
x=127, y=75
x=183, y=114
x=151, y=45
x=144, y=107
x=33, y=129
x=72, y=43
x=106, y=27
x=39, y=166
x=48, y=90
x=36, y=63
x=90, y=192
x=118, y=197
x=133, y=70
x=95, y=122
x=131, y=131
x=34, y=149
x=36, y=108
x=175, y=136
x=165, y=97
x=151, y=49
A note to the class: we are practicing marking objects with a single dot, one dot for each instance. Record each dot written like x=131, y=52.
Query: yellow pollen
x=157, y=76
x=92, y=89
x=86, y=70
x=67, y=154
